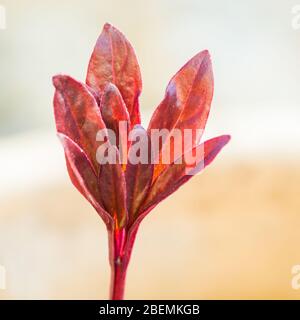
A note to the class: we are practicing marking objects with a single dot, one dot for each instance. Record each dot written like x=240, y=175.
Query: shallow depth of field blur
x=233, y=231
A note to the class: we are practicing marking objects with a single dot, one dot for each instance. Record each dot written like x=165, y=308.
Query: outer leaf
x=82, y=174
x=138, y=179
x=77, y=114
x=113, y=60
x=113, y=191
x=187, y=100
x=175, y=175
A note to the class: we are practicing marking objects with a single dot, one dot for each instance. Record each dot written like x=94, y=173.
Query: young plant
x=117, y=165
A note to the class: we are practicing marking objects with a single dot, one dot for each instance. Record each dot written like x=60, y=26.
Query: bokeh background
x=234, y=231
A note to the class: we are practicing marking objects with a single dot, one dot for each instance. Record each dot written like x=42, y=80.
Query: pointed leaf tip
x=176, y=175
x=113, y=60
x=56, y=81
x=107, y=25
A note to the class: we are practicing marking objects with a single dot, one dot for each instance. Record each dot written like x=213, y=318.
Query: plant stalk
x=119, y=259
x=118, y=278
x=120, y=247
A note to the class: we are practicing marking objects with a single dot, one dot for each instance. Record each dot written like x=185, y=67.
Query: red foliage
x=124, y=194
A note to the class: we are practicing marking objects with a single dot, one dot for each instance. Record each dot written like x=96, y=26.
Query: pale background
x=232, y=232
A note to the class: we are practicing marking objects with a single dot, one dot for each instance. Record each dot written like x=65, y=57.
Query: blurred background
x=232, y=232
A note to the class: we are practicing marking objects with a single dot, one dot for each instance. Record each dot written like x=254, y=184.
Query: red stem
x=118, y=277
x=120, y=247
x=119, y=259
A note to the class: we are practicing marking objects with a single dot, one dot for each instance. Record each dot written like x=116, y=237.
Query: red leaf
x=114, y=111
x=113, y=191
x=77, y=114
x=82, y=174
x=138, y=176
x=187, y=100
x=176, y=175
x=113, y=60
